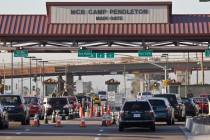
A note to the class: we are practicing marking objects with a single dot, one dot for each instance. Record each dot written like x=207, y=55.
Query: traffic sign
x=145, y=53
x=110, y=55
x=84, y=53
x=207, y=53
x=100, y=55
x=21, y=53
x=204, y=0
x=93, y=55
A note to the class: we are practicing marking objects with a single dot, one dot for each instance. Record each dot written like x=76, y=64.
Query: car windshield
x=206, y=96
x=157, y=103
x=10, y=100
x=31, y=100
x=171, y=98
x=57, y=101
x=136, y=106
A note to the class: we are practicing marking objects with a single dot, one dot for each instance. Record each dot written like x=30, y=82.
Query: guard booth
x=114, y=97
x=51, y=87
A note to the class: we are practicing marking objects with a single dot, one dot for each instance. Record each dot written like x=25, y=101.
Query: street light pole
x=43, y=73
x=36, y=59
x=30, y=58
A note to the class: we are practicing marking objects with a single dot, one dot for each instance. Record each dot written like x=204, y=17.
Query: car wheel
x=28, y=121
x=120, y=128
x=152, y=127
x=1, y=125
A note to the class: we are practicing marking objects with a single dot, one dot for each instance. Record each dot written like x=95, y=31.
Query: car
x=4, y=123
x=96, y=100
x=191, y=108
x=15, y=107
x=35, y=106
x=137, y=113
x=203, y=104
x=59, y=105
x=144, y=95
x=164, y=112
x=179, y=108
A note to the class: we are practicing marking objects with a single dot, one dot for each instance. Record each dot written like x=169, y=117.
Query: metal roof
x=38, y=27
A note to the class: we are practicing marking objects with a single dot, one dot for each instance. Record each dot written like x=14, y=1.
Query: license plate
x=136, y=115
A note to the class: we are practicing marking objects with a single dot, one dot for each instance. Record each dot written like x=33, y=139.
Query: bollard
x=53, y=117
x=45, y=118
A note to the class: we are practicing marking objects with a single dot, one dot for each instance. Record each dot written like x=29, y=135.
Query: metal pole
x=30, y=76
x=165, y=77
x=43, y=79
x=22, y=75
x=4, y=75
x=202, y=69
x=36, y=76
x=12, y=70
x=124, y=82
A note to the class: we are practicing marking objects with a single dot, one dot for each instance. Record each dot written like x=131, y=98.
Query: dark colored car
x=191, y=108
x=179, y=108
x=137, y=114
x=58, y=104
x=84, y=101
x=35, y=106
x=3, y=118
x=164, y=112
x=16, y=109
x=203, y=104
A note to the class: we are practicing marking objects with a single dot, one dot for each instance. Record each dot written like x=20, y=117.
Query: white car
x=144, y=95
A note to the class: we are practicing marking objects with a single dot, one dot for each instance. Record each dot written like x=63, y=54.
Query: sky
x=39, y=7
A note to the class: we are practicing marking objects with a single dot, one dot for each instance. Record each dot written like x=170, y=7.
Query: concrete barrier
x=188, y=123
x=196, y=128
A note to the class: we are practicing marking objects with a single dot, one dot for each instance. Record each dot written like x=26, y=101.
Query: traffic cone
x=35, y=122
x=91, y=112
x=98, y=111
x=45, y=118
x=104, y=120
x=109, y=118
x=58, y=120
x=113, y=118
x=102, y=110
x=53, y=117
x=82, y=123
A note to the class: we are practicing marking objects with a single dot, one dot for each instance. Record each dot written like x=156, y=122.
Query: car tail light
x=150, y=112
x=21, y=107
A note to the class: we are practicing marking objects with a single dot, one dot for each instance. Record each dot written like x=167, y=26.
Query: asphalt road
x=93, y=131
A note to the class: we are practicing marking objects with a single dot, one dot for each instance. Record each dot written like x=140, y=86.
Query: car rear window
x=171, y=98
x=57, y=101
x=10, y=100
x=136, y=106
x=157, y=103
x=146, y=93
x=31, y=100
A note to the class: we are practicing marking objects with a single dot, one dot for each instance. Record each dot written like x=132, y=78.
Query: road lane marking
x=18, y=133
x=97, y=138
x=27, y=130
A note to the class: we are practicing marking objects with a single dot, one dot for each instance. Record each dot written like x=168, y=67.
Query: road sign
x=145, y=53
x=100, y=55
x=204, y=0
x=84, y=53
x=111, y=96
x=110, y=55
x=93, y=55
x=207, y=53
x=21, y=53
